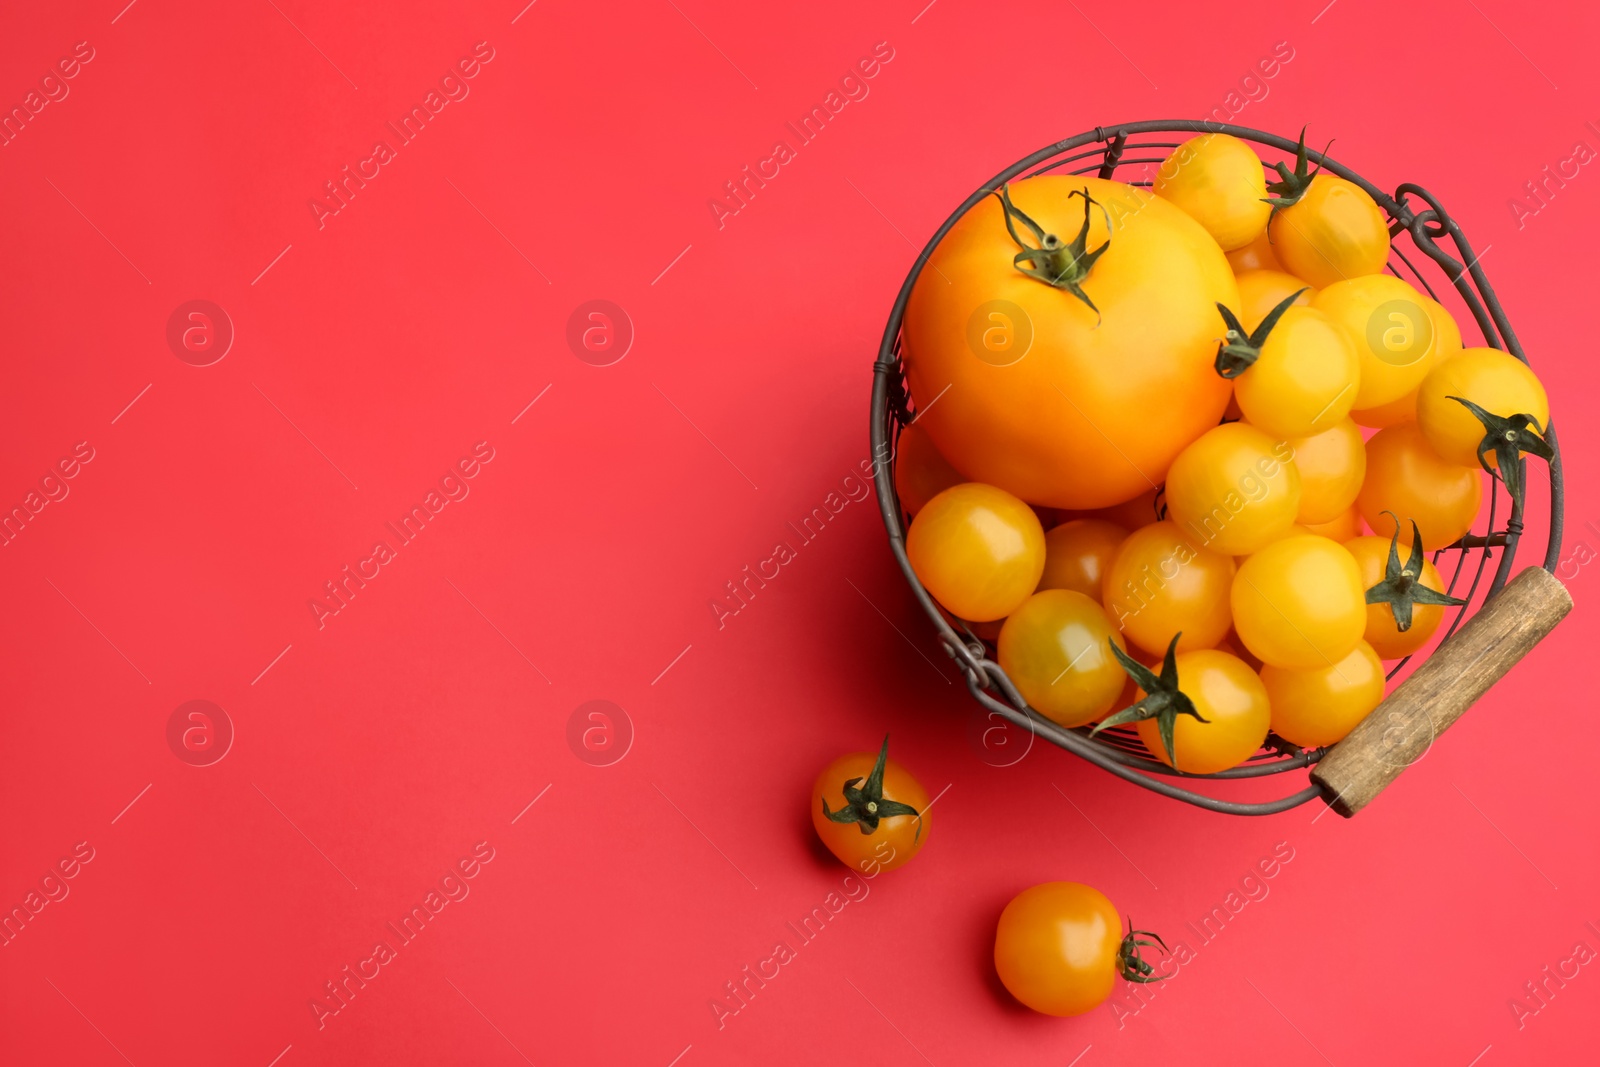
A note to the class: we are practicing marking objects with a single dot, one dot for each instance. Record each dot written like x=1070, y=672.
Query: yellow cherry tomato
x=978, y=550
x=1498, y=382
x=1217, y=179
x=1077, y=554
x=1037, y=392
x=1060, y=947
x=1294, y=531
x=1446, y=343
x=1257, y=255
x=870, y=811
x=1319, y=706
x=1343, y=526
x=1262, y=290
x=1228, y=694
x=1233, y=489
x=1333, y=232
x=1160, y=583
x=1300, y=603
x=1305, y=379
x=1055, y=649
x=1393, y=331
x=1130, y=514
x=1332, y=465
x=1383, y=633
x=920, y=472
x=1406, y=477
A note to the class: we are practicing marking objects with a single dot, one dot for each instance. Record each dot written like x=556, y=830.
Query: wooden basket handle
x=1399, y=731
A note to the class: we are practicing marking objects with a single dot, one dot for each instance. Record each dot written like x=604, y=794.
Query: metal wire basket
x=1415, y=228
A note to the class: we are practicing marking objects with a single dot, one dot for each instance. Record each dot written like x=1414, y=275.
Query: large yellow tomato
x=1218, y=180
x=1320, y=705
x=1499, y=383
x=1333, y=232
x=1234, y=489
x=1332, y=465
x=1232, y=700
x=1262, y=290
x=1299, y=603
x=1037, y=392
x=1304, y=379
x=1056, y=649
x=978, y=550
x=1160, y=584
x=1446, y=343
x=1406, y=477
x=1393, y=331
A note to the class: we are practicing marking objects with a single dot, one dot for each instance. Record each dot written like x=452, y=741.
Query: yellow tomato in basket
x=1406, y=477
x=1041, y=394
x=978, y=550
x=920, y=472
x=1299, y=603
x=1499, y=383
x=1302, y=378
x=1332, y=465
x=1446, y=344
x=1324, y=228
x=1234, y=489
x=1341, y=528
x=1334, y=232
x=1218, y=180
x=1056, y=649
x=1232, y=700
x=1078, y=553
x=1257, y=255
x=1130, y=514
x=1393, y=331
x=1383, y=619
x=1320, y=705
x=1160, y=584
x=1262, y=290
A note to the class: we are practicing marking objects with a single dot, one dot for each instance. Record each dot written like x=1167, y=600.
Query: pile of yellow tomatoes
x=1144, y=459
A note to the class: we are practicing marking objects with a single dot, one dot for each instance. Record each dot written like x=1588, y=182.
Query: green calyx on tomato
x=1508, y=436
x=1163, y=700
x=864, y=803
x=1051, y=261
x=1130, y=964
x=1288, y=191
x=1402, y=587
x=1239, y=350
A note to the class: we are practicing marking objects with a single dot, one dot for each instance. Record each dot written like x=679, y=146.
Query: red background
x=426, y=714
